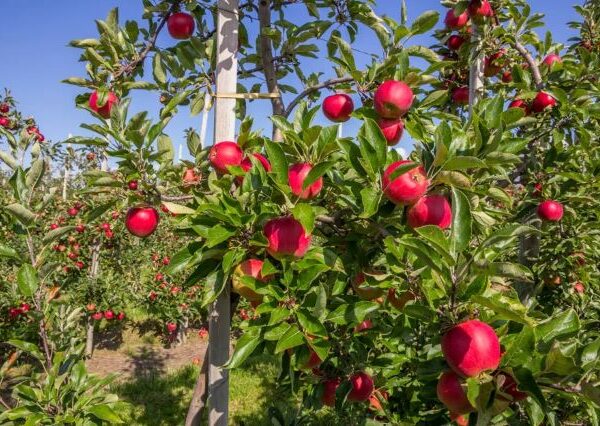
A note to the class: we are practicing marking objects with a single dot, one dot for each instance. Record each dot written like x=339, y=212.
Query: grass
x=163, y=400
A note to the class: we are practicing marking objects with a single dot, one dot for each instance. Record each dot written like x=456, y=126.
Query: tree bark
x=198, y=402
x=266, y=56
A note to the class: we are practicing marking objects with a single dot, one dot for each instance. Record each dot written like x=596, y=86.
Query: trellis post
x=219, y=321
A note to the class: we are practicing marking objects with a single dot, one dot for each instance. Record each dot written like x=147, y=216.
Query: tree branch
x=176, y=197
x=535, y=70
x=311, y=89
x=266, y=56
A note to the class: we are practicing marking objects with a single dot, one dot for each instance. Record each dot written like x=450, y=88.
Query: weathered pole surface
x=476, y=76
x=219, y=320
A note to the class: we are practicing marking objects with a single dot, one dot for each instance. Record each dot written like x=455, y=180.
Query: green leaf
x=244, y=348
x=461, y=222
x=9, y=159
x=291, y=338
x=104, y=412
x=9, y=252
x=158, y=69
x=503, y=306
x=304, y=214
x=464, y=163
x=165, y=147
x=310, y=324
x=370, y=201
x=563, y=324
x=352, y=313
x=22, y=214
x=57, y=233
x=278, y=162
x=27, y=280
x=178, y=208
x=424, y=22
x=316, y=172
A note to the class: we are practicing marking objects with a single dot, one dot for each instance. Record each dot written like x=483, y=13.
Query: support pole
x=476, y=81
x=66, y=176
x=219, y=320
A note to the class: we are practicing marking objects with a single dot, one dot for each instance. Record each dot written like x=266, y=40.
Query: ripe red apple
x=406, y=188
x=519, y=103
x=296, y=176
x=392, y=129
x=363, y=289
x=90, y=156
x=132, y=185
x=362, y=387
x=158, y=277
x=97, y=316
x=313, y=360
x=225, y=154
x=430, y=210
x=249, y=267
x=53, y=226
x=142, y=221
x=451, y=393
x=509, y=387
x=72, y=211
x=72, y=256
x=104, y=110
x=190, y=177
x=507, y=77
x=80, y=228
x=552, y=280
x=480, y=9
x=471, y=348
x=338, y=107
x=166, y=260
x=91, y=307
x=542, y=101
x=456, y=22
x=399, y=302
x=109, y=314
x=579, y=287
x=181, y=25
x=171, y=327
x=460, y=95
x=121, y=316
x=246, y=165
x=579, y=258
x=329, y=388
x=493, y=64
x=393, y=99
x=114, y=215
x=286, y=237
x=551, y=59
x=550, y=210
x=4, y=122
x=25, y=307
x=459, y=419
x=365, y=325
x=105, y=226
x=4, y=108
x=455, y=41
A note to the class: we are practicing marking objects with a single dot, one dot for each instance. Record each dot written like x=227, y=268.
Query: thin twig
x=535, y=70
x=311, y=89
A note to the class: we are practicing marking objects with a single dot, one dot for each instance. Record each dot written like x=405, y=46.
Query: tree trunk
x=198, y=402
x=94, y=268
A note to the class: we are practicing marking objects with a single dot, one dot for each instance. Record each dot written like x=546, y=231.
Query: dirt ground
x=127, y=354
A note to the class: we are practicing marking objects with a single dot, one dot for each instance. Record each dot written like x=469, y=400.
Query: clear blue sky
x=36, y=57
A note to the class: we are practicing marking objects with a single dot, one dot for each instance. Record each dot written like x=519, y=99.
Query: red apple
x=338, y=107
x=158, y=277
x=166, y=260
x=393, y=99
x=171, y=327
x=4, y=108
x=392, y=129
x=579, y=287
x=181, y=25
x=286, y=237
x=507, y=77
x=480, y=9
x=190, y=177
x=91, y=307
x=471, y=348
x=25, y=307
x=455, y=41
x=430, y=210
x=109, y=314
x=551, y=59
x=459, y=419
x=246, y=165
x=72, y=211
x=72, y=256
x=4, y=122
x=104, y=110
x=362, y=387
x=460, y=95
x=90, y=156
x=451, y=393
x=252, y=268
x=97, y=316
x=519, y=103
x=80, y=228
x=142, y=221
x=121, y=316
x=363, y=326
x=53, y=226
x=493, y=64
x=329, y=388
x=132, y=185
x=456, y=22
x=550, y=210
x=407, y=187
x=296, y=176
x=542, y=101
x=225, y=154
x=313, y=360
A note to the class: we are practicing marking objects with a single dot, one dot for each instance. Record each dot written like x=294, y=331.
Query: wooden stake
x=219, y=321
x=476, y=80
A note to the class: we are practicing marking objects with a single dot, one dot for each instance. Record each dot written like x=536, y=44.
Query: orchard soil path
x=128, y=355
